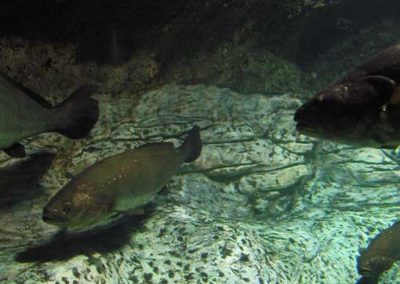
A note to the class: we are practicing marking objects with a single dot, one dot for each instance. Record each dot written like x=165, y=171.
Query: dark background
x=175, y=32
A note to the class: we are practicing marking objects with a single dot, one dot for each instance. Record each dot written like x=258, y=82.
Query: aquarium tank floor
x=261, y=204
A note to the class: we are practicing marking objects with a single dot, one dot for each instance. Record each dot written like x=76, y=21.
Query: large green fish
x=119, y=185
x=382, y=252
x=24, y=113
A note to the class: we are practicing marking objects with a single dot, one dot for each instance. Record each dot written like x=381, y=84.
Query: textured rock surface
x=261, y=204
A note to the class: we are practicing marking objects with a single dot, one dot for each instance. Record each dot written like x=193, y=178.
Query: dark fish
x=380, y=255
x=25, y=114
x=362, y=108
x=119, y=185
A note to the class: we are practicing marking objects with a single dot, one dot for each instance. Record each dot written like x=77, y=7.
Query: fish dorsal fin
x=35, y=96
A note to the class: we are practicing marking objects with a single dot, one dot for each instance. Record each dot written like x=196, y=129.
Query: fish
x=23, y=114
x=118, y=186
x=362, y=108
x=380, y=255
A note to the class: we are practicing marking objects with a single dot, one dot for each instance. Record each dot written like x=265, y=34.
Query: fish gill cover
x=262, y=204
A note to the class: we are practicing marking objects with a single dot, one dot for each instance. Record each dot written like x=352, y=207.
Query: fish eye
x=66, y=208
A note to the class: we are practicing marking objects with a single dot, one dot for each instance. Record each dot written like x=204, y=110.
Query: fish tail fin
x=78, y=113
x=192, y=145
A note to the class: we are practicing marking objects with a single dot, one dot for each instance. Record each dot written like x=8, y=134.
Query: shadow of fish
x=362, y=108
x=380, y=255
x=18, y=181
x=24, y=113
x=119, y=185
x=63, y=246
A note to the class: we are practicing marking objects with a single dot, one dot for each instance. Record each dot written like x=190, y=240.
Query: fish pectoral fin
x=379, y=79
x=383, y=138
x=381, y=83
x=16, y=150
x=120, y=213
x=395, y=98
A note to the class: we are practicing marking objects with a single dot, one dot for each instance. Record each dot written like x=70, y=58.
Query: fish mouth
x=47, y=217
x=367, y=272
x=305, y=124
x=307, y=128
x=302, y=125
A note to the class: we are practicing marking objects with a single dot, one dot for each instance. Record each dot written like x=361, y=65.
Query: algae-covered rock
x=260, y=205
x=243, y=173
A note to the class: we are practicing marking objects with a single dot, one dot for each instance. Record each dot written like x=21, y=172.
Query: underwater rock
x=231, y=43
x=262, y=204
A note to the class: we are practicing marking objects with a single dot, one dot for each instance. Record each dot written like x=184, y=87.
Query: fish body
x=362, y=108
x=380, y=254
x=25, y=114
x=118, y=185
